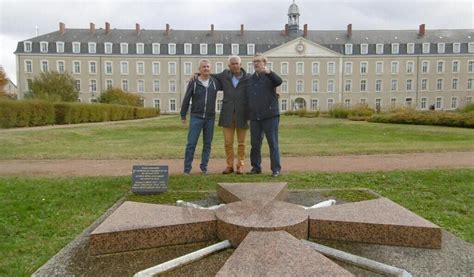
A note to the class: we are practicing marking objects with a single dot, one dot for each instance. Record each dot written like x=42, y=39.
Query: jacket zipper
x=205, y=102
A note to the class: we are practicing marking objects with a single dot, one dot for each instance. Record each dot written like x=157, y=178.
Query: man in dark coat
x=233, y=117
x=264, y=114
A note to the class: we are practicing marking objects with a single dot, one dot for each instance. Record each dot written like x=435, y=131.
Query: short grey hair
x=234, y=57
x=204, y=61
x=260, y=56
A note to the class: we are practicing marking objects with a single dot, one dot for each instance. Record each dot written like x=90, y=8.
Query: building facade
x=382, y=68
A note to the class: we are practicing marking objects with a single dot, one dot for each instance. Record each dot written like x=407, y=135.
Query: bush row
x=359, y=112
x=303, y=113
x=39, y=113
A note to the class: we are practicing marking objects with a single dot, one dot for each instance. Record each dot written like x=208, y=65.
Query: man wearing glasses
x=264, y=115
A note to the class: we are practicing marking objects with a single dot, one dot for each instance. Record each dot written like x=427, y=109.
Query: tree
x=3, y=82
x=55, y=87
x=119, y=97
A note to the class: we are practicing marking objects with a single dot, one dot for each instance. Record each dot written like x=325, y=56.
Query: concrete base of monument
x=454, y=258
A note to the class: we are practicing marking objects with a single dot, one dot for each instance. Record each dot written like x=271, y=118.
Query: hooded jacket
x=203, y=99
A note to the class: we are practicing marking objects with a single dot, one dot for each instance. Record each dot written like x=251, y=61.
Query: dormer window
x=188, y=48
x=203, y=48
x=457, y=47
x=44, y=47
x=155, y=48
x=379, y=48
x=27, y=46
x=235, y=49
x=59, y=47
x=426, y=48
x=76, y=47
x=348, y=49
x=441, y=47
x=108, y=48
x=219, y=49
x=250, y=49
x=140, y=48
x=395, y=48
x=470, y=47
x=410, y=48
x=172, y=48
x=123, y=48
x=364, y=48
x=92, y=48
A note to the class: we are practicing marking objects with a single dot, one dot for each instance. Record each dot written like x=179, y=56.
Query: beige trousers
x=229, y=146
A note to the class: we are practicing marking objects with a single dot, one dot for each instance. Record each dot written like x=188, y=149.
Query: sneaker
x=228, y=170
x=186, y=174
x=204, y=172
x=239, y=171
x=276, y=174
x=254, y=171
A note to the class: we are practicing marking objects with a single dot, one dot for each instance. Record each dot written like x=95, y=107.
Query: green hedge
x=38, y=113
x=303, y=113
x=408, y=116
x=358, y=112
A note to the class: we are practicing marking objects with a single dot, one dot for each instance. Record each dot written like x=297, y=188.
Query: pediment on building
x=301, y=47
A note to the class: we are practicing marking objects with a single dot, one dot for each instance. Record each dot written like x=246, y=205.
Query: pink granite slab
x=278, y=254
x=237, y=219
x=378, y=221
x=139, y=225
x=231, y=192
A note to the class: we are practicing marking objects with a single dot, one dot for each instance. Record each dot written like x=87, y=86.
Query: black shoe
x=276, y=174
x=254, y=171
x=228, y=170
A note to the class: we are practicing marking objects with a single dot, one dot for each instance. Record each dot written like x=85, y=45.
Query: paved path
x=354, y=163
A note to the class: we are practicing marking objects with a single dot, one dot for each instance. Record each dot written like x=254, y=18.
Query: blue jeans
x=196, y=124
x=269, y=128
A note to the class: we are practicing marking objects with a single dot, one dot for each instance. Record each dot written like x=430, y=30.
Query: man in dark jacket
x=233, y=117
x=203, y=93
x=264, y=115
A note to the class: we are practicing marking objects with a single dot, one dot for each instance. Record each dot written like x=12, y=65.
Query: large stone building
x=385, y=68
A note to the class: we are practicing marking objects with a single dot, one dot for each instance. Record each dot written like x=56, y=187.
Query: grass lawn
x=165, y=137
x=38, y=216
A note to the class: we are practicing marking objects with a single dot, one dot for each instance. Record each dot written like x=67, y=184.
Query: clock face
x=300, y=47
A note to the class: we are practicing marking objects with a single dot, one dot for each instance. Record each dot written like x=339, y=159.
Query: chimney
x=212, y=29
x=167, y=32
x=137, y=28
x=107, y=27
x=349, y=30
x=305, y=30
x=241, y=29
x=421, y=30
x=92, y=28
x=286, y=29
x=62, y=28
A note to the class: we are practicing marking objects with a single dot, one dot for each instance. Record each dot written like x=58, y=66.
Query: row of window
x=395, y=48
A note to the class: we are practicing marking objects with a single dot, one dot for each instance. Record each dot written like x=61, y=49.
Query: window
x=219, y=49
x=172, y=48
x=363, y=101
x=172, y=86
x=108, y=48
x=28, y=66
x=379, y=67
x=440, y=67
x=44, y=47
x=172, y=105
x=348, y=48
x=456, y=47
x=299, y=86
x=76, y=67
x=284, y=86
x=141, y=86
x=92, y=47
x=315, y=86
x=235, y=49
x=409, y=85
x=364, y=48
x=439, y=84
x=270, y=65
x=93, y=85
x=123, y=48
x=250, y=68
x=347, y=102
x=441, y=47
x=27, y=46
x=284, y=68
x=330, y=87
x=393, y=103
x=439, y=103
x=108, y=68
x=156, y=85
x=348, y=85
x=108, y=84
x=363, y=85
x=155, y=68
x=188, y=48
x=424, y=84
x=423, y=103
x=187, y=68
x=410, y=48
x=348, y=68
x=156, y=103
x=410, y=67
x=60, y=66
x=331, y=68
x=76, y=47
x=394, y=67
x=299, y=68
x=379, y=48
x=155, y=48
x=395, y=48
x=455, y=67
x=203, y=48
x=172, y=68
x=455, y=84
x=408, y=101
x=378, y=85
x=330, y=103
x=219, y=67
x=44, y=66
x=92, y=67
x=426, y=48
x=315, y=68
x=363, y=68
x=314, y=104
x=125, y=85
x=378, y=104
x=78, y=85
x=284, y=104
x=250, y=49
x=60, y=47
x=140, y=68
x=470, y=84
x=140, y=48
x=124, y=68
x=470, y=47
x=470, y=66
x=454, y=103
x=425, y=67
x=394, y=86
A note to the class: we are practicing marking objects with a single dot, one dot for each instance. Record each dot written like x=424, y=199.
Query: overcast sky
x=18, y=18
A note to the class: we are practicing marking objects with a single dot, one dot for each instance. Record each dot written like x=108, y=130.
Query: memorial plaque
x=149, y=179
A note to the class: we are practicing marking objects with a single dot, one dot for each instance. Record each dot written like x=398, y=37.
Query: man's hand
x=266, y=70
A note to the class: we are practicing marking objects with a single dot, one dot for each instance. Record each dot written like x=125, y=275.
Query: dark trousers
x=269, y=128
x=197, y=124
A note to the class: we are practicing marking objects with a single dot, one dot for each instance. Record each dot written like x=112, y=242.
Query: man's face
x=259, y=65
x=234, y=66
x=205, y=68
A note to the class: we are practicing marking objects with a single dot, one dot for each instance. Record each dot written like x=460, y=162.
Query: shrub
x=303, y=113
x=409, y=116
x=467, y=108
x=119, y=97
x=25, y=113
x=339, y=111
x=54, y=87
